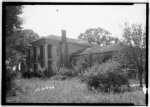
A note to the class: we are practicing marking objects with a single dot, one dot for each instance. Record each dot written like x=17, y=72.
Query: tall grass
x=69, y=91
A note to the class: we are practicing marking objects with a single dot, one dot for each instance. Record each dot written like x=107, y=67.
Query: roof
x=99, y=49
x=70, y=40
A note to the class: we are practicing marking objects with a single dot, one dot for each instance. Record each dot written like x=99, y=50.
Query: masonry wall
x=58, y=54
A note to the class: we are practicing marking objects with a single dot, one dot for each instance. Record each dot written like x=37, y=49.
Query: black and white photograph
x=75, y=53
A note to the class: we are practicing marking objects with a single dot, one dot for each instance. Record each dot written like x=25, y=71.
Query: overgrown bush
x=89, y=72
x=30, y=74
x=106, y=77
x=10, y=85
x=64, y=72
x=48, y=73
x=82, y=62
x=45, y=73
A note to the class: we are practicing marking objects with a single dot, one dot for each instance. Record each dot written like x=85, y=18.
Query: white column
x=45, y=56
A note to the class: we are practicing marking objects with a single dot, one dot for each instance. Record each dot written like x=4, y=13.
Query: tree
x=134, y=48
x=29, y=35
x=17, y=41
x=98, y=36
x=13, y=21
x=12, y=28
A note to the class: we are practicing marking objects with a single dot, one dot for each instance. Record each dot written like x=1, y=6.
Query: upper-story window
x=49, y=50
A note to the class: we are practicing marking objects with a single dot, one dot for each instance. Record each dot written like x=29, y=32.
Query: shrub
x=30, y=74
x=48, y=73
x=63, y=72
x=45, y=73
x=106, y=77
x=10, y=85
x=89, y=72
x=82, y=62
x=59, y=77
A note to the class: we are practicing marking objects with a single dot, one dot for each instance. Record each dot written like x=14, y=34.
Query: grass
x=68, y=91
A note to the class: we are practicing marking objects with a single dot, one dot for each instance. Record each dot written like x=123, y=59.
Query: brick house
x=100, y=54
x=53, y=51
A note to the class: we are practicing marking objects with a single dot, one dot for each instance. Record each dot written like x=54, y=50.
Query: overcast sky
x=75, y=19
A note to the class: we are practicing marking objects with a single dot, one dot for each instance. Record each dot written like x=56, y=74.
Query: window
x=49, y=51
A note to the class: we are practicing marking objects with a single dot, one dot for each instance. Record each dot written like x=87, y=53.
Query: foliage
x=45, y=73
x=98, y=36
x=17, y=41
x=13, y=21
x=82, y=62
x=11, y=31
x=134, y=48
x=65, y=72
x=15, y=53
x=48, y=73
x=29, y=35
x=9, y=78
x=69, y=91
x=29, y=74
x=106, y=77
x=11, y=87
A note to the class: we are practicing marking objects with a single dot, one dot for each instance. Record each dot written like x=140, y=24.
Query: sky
x=75, y=19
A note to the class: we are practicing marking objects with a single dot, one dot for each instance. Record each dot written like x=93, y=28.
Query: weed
x=69, y=91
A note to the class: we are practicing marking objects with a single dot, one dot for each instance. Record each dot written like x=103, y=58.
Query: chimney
x=63, y=36
x=64, y=49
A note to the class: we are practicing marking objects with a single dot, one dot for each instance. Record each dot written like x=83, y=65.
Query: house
x=52, y=52
x=97, y=53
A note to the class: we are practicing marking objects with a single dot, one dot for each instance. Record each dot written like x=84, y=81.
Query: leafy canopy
x=134, y=48
x=98, y=36
x=13, y=21
x=17, y=40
